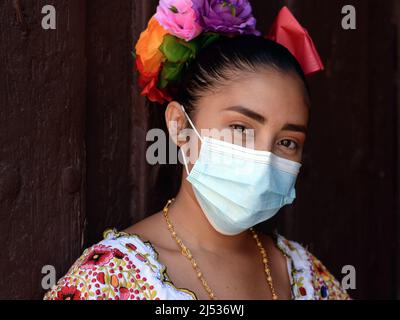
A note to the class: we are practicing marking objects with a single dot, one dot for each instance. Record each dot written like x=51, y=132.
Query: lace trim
x=165, y=278
x=298, y=266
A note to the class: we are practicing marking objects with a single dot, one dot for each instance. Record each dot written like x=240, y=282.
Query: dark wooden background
x=72, y=133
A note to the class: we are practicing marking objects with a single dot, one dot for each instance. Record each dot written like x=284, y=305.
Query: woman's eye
x=238, y=128
x=290, y=144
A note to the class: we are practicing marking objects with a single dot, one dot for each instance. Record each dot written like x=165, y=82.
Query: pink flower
x=179, y=18
x=99, y=255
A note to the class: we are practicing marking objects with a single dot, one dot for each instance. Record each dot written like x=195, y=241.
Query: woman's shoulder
x=121, y=266
x=310, y=279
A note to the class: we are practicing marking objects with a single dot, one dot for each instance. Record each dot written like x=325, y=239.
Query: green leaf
x=178, y=53
x=233, y=10
x=171, y=72
x=208, y=38
x=178, y=50
x=174, y=9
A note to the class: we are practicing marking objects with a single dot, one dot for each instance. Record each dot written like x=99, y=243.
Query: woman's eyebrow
x=259, y=118
x=248, y=113
x=294, y=127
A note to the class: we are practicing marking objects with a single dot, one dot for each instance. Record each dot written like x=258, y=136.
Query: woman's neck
x=196, y=232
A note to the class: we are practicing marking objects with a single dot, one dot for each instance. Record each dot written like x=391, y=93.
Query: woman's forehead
x=268, y=94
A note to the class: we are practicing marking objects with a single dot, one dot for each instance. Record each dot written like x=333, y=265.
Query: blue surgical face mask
x=238, y=187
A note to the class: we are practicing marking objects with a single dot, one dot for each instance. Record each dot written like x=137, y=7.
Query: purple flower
x=226, y=16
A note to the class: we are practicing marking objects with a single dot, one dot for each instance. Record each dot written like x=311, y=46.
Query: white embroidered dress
x=124, y=267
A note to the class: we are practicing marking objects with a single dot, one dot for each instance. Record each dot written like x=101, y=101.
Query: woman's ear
x=176, y=122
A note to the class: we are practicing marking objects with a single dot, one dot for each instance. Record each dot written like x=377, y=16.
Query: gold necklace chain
x=186, y=252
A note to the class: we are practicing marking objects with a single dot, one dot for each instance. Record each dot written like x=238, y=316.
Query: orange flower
x=147, y=47
x=114, y=281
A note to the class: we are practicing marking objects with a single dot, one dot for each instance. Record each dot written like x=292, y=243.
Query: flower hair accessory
x=180, y=29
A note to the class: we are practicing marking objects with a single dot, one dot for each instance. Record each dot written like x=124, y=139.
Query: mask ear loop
x=184, y=161
x=197, y=133
x=191, y=123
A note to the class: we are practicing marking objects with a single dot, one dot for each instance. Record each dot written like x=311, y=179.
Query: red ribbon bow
x=288, y=32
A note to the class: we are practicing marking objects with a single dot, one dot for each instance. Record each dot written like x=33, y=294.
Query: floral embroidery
x=120, y=267
x=131, y=246
x=68, y=293
x=325, y=284
x=309, y=277
x=299, y=284
x=99, y=255
x=124, y=267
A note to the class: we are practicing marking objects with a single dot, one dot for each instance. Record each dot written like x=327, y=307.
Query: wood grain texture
x=42, y=156
x=109, y=111
x=395, y=20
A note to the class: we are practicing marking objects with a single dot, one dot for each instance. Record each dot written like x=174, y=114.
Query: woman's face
x=269, y=109
x=271, y=103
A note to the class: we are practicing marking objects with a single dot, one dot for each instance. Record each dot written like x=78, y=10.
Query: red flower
x=321, y=270
x=140, y=257
x=98, y=256
x=100, y=277
x=118, y=254
x=68, y=293
x=319, y=267
x=148, y=82
x=123, y=293
x=303, y=291
x=131, y=246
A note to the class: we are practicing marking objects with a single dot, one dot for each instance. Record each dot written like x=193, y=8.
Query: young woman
x=255, y=89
